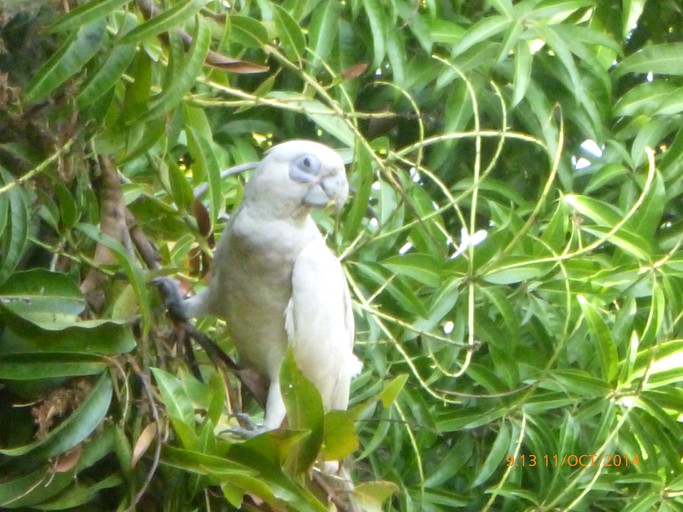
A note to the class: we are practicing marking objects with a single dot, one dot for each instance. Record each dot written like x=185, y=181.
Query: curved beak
x=333, y=189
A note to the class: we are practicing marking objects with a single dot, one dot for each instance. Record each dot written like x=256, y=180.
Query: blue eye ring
x=304, y=168
x=308, y=163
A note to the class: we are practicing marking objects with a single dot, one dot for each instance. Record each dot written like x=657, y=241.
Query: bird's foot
x=172, y=297
x=247, y=429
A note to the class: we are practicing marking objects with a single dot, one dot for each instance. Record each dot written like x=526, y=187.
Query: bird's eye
x=308, y=163
x=304, y=168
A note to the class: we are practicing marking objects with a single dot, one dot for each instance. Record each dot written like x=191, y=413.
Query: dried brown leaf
x=143, y=443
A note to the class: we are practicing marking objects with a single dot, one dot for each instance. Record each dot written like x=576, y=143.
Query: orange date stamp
x=572, y=460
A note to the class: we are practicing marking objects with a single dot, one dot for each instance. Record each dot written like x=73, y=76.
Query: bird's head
x=302, y=173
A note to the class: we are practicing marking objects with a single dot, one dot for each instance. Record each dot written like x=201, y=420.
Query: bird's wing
x=319, y=323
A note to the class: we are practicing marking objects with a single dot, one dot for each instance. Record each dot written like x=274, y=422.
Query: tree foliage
x=513, y=247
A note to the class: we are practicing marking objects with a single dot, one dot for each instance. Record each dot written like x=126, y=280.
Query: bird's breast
x=255, y=267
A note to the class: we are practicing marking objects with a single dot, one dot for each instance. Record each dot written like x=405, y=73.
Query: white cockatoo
x=275, y=281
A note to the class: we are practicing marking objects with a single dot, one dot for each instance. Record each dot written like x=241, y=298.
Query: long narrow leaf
x=292, y=38
x=175, y=17
x=117, y=61
x=76, y=428
x=68, y=60
x=14, y=236
x=662, y=59
x=600, y=334
x=86, y=13
x=183, y=77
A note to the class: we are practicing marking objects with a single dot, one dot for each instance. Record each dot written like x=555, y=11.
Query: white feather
x=275, y=281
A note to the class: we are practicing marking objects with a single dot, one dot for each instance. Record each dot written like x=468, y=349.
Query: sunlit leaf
x=659, y=58
x=304, y=413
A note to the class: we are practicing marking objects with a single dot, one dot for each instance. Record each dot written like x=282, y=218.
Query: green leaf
x=14, y=210
x=181, y=189
x=555, y=234
x=405, y=297
x=598, y=211
x=143, y=137
x=606, y=175
x=558, y=8
x=68, y=209
x=137, y=93
x=510, y=40
x=361, y=169
x=304, y=413
x=523, y=62
x=290, y=33
x=205, y=160
x=632, y=9
x=49, y=299
x=392, y=389
x=444, y=31
x=662, y=59
x=217, y=397
x=643, y=99
x=175, y=17
x=496, y=455
x=671, y=105
x=372, y=495
x=442, y=303
x=649, y=216
x=397, y=56
x=579, y=382
x=340, y=439
x=470, y=419
x=322, y=115
x=76, y=428
x=424, y=268
x=129, y=264
x=29, y=366
x=175, y=398
x=323, y=30
x=81, y=494
x=418, y=27
x=93, y=336
x=563, y=50
x=504, y=306
x=247, y=31
x=67, y=61
x=515, y=269
x=86, y=13
x=377, y=18
x=450, y=465
x=602, y=338
x=202, y=463
x=502, y=6
x=181, y=77
x=117, y=61
x=633, y=244
x=24, y=489
x=485, y=29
